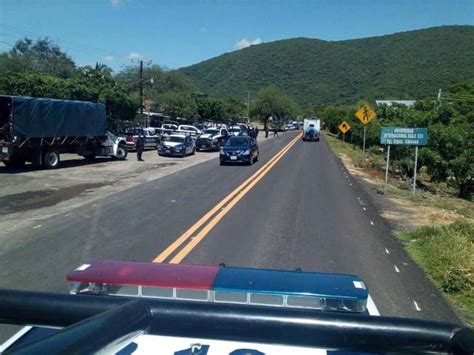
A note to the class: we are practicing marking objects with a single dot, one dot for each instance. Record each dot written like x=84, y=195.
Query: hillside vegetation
x=412, y=64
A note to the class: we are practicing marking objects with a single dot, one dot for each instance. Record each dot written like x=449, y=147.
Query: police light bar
x=222, y=284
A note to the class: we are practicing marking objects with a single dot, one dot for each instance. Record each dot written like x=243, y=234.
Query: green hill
x=404, y=65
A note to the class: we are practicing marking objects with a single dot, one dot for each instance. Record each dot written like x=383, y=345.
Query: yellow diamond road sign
x=344, y=127
x=365, y=114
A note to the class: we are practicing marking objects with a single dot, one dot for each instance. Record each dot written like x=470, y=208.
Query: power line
x=75, y=44
x=66, y=43
x=8, y=44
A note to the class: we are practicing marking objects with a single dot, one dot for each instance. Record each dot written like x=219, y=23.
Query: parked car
x=211, y=139
x=239, y=149
x=200, y=126
x=188, y=129
x=234, y=130
x=131, y=136
x=176, y=145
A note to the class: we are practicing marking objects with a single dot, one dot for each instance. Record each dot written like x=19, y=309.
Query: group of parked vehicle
x=236, y=143
x=39, y=130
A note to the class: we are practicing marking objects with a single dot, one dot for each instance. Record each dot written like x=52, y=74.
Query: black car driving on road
x=239, y=149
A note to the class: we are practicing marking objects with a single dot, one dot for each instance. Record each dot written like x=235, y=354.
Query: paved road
x=303, y=212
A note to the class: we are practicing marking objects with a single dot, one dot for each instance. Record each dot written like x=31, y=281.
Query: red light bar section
x=114, y=272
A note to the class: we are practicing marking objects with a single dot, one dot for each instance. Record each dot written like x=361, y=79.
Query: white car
x=193, y=131
x=234, y=130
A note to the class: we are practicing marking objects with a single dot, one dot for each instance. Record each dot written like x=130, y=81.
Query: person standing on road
x=140, y=146
x=256, y=132
x=275, y=132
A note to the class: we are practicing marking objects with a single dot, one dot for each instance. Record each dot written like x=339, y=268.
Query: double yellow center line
x=218, y=212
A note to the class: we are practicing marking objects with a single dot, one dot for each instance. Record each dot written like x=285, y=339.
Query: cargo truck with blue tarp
x=39, y=130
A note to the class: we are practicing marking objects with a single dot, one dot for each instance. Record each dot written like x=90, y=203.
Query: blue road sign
x=403, y=136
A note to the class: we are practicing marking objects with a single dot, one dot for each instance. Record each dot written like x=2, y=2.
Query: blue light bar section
x=295, y=283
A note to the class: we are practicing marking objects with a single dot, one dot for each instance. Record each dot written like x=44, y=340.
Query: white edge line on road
x=14, y=338
x=38, y=226
x=372, y=223
x=67, y=215
x=396, y=268
x=371, y=307
x=387, y=251
x=416, y=306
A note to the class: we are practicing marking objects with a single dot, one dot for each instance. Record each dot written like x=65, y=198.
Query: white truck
x=311, y=130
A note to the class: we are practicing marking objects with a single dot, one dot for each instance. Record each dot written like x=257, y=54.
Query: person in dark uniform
x=275, y=132
x=140, y=146
x=256, y=132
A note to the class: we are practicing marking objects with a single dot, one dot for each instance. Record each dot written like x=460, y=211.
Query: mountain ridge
x=409, y=64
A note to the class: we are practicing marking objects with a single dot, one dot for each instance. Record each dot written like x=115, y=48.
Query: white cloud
x=244, y=43
x=115, y=2
x=203, y=29
x=134, y=55
x=109, y=58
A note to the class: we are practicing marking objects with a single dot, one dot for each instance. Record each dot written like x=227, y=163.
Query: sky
x=180, y=33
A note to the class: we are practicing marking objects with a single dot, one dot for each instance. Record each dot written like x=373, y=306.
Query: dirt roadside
x=398, y=206
x=28, y=196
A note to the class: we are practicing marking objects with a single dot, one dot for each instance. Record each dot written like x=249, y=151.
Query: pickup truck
x=38, y=130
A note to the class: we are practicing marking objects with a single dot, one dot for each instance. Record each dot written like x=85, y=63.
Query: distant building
x=408, y=103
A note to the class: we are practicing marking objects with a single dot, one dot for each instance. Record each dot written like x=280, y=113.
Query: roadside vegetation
x=449, y=156
x=436, y=226
x=446, y=253
x=41, y=69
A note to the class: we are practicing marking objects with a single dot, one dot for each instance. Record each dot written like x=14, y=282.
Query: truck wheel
x=121, y=152
x=51, y=159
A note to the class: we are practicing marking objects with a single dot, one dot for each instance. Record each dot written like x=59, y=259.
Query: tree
x=271, y=102
x=164, y=81
x=178, y=105
x=234, y=109
x=41, y=56
x=210, y=109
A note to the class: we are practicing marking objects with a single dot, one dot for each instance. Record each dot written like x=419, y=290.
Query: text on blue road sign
x=403, y=136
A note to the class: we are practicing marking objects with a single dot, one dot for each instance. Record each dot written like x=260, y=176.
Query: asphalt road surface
x=296, y=207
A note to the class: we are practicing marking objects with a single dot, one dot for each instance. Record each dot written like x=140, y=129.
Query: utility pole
x=142, y=82
x=141, y=91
